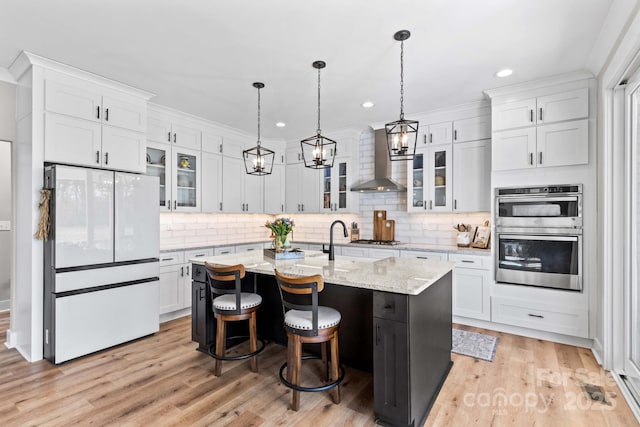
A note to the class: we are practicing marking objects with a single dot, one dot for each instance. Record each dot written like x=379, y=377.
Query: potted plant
x=280, y=229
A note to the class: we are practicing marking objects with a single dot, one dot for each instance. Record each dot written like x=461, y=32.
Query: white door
x=632, y=280
x=440, y=133
x=187, y=135
x=292, y=187
x=562, y=144
x=439, y=170
x=83, y=216
x=125, y=113
x=417, y=181
x=568, y=105
x=232, y=177
x=513, y=114
x=252, y=192
x=211, y=182
x=159, y=164
x=72, y=141
x=171, y=288
x=123, y=149
x=159, y=130
x=310, y=189
x=472, y=129
x=186, y=180
x=472, y=176
x=514, y=149
x=73, y=100
x=274, y=190
x=137, y=222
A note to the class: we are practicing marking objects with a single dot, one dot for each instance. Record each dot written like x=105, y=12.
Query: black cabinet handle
x=455, y=135
x=422, y=257
x=98, y=157
x=430, y=138
x=199, y=255
x=531, y=116
x=424, y=204
x=282, y=208
x=536, y=315
x=182, y=271
x=467, y=261
x=531, y=159
x=430, y=204
x=98, y=116
x=169, y=204
x=174, y=137
x=540, y=114
x=175, y=205
x=201, y=292
x=388, y=306
x=187, y=270
x=540, y=158
x=169, y=136
x=220, y=205
x=106, y=158
x=455, y=204
x=106, y=114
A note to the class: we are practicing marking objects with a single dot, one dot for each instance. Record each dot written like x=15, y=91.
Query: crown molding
x=536, y=84
x=26, y=60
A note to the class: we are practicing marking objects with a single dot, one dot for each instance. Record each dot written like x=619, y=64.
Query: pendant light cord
x=402, y=80
x=258, y=118
x=319, y=102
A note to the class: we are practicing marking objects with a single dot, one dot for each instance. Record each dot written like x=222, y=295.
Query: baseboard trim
x=175, y=315
x=11, y=339
x=525, y=332
x=597, y=351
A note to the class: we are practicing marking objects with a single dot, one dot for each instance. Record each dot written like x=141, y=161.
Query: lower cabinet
x=411, y=352
x=202, y=319
x=441, y=256
x=175, y=279
x=471, y=286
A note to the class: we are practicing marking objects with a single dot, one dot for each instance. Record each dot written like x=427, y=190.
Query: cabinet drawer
x=383, y=253
x=542, y=316
x=442, y=256
x=171, y=258
x=257, y=247
x=352, y=251
x=202, y=253
x=224, y=250
x=390, y=306
x=471, y=261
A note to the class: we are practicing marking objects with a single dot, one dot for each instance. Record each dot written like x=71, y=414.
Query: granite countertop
x=399, y=275
x=402, y=246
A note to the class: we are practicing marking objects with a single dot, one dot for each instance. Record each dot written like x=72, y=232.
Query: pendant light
x=318, y=152
x=258, y=160
x=402, y=134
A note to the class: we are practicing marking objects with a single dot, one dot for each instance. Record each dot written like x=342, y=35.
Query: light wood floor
x=162, y=380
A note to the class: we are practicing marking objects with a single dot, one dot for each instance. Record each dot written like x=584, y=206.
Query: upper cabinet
x=437, y=133
x=545, y=131
x=472, y=176
x=472, y=129
x=89, y=124
x=563, y=106
x=174, y=129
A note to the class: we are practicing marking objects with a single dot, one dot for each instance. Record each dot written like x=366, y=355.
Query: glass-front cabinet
x=429, y=180
x=179, y=172
x=335, y=191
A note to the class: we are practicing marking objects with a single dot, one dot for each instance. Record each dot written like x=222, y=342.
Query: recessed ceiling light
x=504, y=73
x=367, y=104
x=280, y=124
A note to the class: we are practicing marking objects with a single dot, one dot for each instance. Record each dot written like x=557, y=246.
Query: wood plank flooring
x=162, y=381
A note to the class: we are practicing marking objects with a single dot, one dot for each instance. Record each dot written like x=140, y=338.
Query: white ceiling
x=201, y=56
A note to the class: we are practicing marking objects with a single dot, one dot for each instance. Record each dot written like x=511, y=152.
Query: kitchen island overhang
x=396, y=320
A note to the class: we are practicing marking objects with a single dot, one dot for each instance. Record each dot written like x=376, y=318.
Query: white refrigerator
x=101, y=260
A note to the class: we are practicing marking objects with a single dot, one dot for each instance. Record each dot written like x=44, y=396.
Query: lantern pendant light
x=318, y=152
x=402, y=134
x=258, y=160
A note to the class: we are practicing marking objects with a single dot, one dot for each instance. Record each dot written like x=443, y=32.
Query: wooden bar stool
x=232, y=305
x=308, y=323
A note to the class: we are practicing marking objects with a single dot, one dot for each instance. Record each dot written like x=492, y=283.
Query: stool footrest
x=311, y=389
x=213, y=354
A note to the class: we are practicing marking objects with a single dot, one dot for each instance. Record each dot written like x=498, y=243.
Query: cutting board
x=388, y=230
x=379, y=217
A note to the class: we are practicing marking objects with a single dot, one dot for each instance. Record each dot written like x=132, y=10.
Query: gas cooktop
x=377, y=242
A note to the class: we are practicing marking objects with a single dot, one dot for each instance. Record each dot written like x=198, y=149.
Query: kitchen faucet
x=332, y=255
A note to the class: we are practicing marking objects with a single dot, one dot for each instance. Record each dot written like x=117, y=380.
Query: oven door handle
x=538, y=237
x=511, y=199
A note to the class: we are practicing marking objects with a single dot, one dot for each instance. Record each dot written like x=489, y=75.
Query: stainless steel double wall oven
x=539, y=236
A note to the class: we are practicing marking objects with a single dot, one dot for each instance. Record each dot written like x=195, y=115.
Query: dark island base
x=404, y=340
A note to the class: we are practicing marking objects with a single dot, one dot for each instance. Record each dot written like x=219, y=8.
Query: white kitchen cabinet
x=88, y=101
x=335, y=182
x=472, y=176
x=250, y=247
x=472, y=129
x=88, y=125
x=302, y=188
x=381, y=253
x=241, y=192
x=170, y=128
x=558, y=144
x=471, y=286
x=179, y=170
x=440, y=256
x=436, y=134
x=224, y=250
x=439, y=179
x=274, y=190
x=172, y=282
x=353, y=251
x=211, y=182
x=561, y=106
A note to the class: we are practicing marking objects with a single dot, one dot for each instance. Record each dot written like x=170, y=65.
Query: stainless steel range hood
x=382, y=169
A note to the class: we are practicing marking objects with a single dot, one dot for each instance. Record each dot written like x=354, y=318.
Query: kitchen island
x=396, y=320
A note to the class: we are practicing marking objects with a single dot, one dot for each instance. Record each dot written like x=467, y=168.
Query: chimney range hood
x=382, y=169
